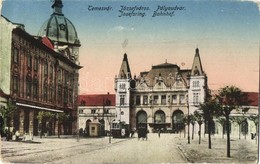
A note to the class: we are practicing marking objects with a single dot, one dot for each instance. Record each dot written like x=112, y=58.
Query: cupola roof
x=58, y=28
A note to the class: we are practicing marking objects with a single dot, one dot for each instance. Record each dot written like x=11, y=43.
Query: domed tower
x=61, y=32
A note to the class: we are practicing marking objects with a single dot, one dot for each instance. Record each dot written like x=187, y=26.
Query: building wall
x=6, y=28
x=197, y=92
x=123, y=100
x=40, y=80
x=86, y=113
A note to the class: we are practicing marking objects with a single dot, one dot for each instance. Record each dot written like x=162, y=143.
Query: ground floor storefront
x=38, y=121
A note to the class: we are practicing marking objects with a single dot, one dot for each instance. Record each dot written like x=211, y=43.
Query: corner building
x=160, y=97
x=41, y=73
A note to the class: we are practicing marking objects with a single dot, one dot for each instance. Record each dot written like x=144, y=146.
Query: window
x=51, y=71
x=122, y=86
x=59, y=75
x=29, y=61
x=35, y=88
x=45, y=93
x=28, y=87
x=195, y=83
x=45, y=69
x=163, y=100
x=51, y=94
x=137, y=100
x=145, y=100
x=92, y=129
x=70, y=96
x=59, y=94
x=155, y=99
x=15, y=84
x=16, y=55
x=182, y=99
x=122, y=100
x=106, y=111
x=35, y=64
x=66, y=80
x=66, y=95
x=93, y=111
x=174, y=99
x=196, y=98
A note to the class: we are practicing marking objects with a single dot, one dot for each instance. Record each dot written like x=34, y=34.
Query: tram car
x=120, y=130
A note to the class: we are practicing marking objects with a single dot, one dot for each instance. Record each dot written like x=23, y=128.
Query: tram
x=120, y=130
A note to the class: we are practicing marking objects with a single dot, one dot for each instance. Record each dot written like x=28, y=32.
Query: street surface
x=95, y=150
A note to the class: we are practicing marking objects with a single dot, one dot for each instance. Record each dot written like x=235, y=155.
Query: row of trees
x=220, y=106
x=7, y=114
x=45, y=117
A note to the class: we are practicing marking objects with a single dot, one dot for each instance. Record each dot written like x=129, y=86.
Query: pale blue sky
x=226, y=32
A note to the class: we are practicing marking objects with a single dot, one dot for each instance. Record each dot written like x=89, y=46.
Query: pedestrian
x=159, y=132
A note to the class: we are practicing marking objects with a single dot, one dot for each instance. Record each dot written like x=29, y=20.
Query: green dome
x=58, y=28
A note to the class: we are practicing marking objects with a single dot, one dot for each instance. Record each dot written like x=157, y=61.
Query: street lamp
x=188, y=119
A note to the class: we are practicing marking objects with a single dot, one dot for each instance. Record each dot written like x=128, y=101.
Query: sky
x=227, y=34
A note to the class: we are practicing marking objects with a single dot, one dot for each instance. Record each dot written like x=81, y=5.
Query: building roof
x=39, y=43
x=167, y=72
x=253, y=98
x=59, y=28
x=197, y=66
x=97, y=100
x=125, y=71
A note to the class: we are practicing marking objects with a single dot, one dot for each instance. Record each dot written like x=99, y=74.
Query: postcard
x=129, y=81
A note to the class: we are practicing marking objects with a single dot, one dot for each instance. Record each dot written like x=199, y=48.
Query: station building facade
x=159, y=98
x=40, y=73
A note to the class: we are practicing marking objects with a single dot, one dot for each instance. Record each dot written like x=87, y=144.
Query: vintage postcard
x=129, y=81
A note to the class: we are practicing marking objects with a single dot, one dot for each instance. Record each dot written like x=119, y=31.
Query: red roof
x=97, y=100
x=253, y=98
x=47, y=42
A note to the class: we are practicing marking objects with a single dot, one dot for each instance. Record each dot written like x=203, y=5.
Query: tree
x=192, y=121
x=61, y=117
x=44, y=117
x=230, y=98
x=199, y=118
x=209, y=109
x=8, y=112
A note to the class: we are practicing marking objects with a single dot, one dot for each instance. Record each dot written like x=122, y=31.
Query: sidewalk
x=242, y=151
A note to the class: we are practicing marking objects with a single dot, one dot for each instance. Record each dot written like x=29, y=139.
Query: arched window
x=16, y=55
x=159, y=117
x=141, y=118
x=177, y=121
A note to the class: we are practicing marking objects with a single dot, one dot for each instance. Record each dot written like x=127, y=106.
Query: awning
x=38, y=107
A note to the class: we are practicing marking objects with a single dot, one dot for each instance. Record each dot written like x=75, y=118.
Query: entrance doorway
x=177, y=121
x=141, y=119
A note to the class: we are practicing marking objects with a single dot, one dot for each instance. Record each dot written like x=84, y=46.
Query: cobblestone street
x=169, y=148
